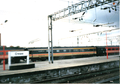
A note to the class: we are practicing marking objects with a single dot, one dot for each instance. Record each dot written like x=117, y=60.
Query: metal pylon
x=70, y=10
x=79, y=7
x=50, y=40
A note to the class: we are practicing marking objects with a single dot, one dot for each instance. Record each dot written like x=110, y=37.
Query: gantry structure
x=71, y=10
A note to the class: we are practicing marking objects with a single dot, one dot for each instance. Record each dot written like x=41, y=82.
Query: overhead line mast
x=70, y=10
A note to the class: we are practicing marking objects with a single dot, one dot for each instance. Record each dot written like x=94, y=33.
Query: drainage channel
x=74, y=78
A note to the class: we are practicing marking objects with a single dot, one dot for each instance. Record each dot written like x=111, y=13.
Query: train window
x=67, y=50
x=94, y=49
x=54, y=51
x=1, y=53
x=61, y=50
x=81, y=50
x=46, y=50
x=57, y=50
x=109, y=49
x=116, y=48
x=64, y=50
x=113, y=49
x=70, y=50
x=85, y=49
x=6, y=53
x=30, y=52
x=42, y=51
x=34, y=52
x=91, y=49
x=75, y=50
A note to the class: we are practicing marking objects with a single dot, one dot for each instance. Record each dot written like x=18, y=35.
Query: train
x=41, y=53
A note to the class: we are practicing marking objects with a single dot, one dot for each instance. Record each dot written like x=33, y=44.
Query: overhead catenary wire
x=72, y=13
x=95, y=13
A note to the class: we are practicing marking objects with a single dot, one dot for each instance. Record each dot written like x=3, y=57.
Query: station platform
x=59, y=64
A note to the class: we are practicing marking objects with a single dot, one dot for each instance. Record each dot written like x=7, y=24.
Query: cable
x=112, y=16
x=95, y=13
x=107, y=18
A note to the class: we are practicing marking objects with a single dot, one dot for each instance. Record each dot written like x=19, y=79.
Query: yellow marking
x=86, y=48
x=63, y=54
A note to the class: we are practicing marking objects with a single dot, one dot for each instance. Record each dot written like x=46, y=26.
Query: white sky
x=27, y=21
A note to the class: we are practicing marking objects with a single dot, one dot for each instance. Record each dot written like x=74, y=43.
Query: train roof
x=12, y=48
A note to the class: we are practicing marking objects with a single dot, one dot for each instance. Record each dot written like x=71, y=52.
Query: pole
x=0, y=39
x=48, y=40
x=106, y=46
x=77, y=40
x=51, y=39
x=3, y=57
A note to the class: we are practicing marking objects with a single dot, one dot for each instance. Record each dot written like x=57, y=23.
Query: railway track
x=110, y=80
x=94, y=77
x=105, y=78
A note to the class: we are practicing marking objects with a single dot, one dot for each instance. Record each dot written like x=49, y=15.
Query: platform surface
x=41, y=66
